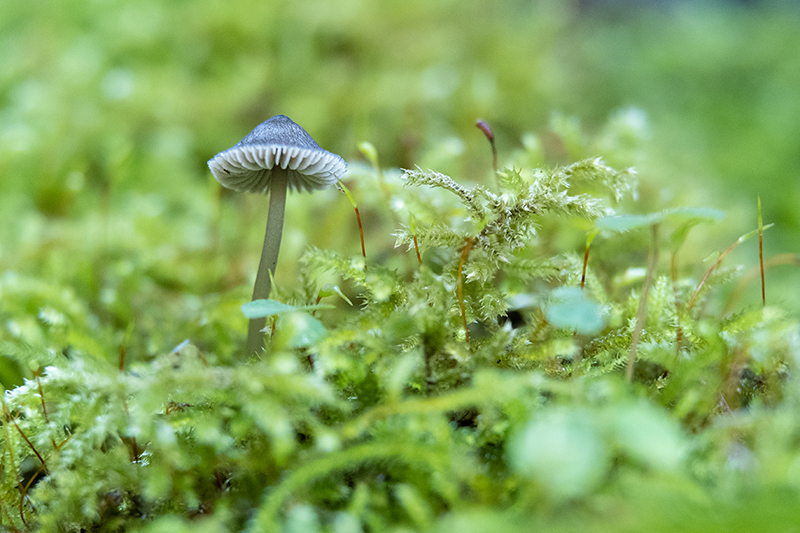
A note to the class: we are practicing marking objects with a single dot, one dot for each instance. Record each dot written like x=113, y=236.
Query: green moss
x=475, y=389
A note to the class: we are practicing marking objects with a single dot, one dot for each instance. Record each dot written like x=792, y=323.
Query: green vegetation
x=473, y=371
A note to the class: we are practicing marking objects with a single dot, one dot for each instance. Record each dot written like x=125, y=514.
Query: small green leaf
x=330, y=289
x=297, y=330
x=347, y=193
x=649, y=436
x=622, y=223
x=695, y=215
x=524, y=300
x=701, y=214
x=590, y=236
x=265, y=308
x=563, y=451
x=753, y=233
x=569, y=308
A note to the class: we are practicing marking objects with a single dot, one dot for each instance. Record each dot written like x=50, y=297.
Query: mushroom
x=278, y=154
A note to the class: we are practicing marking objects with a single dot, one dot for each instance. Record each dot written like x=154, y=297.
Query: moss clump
x=476, y=389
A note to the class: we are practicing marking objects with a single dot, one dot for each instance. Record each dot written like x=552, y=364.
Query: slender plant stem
x=576, y=362
x=642, y=312
x=589, y=238
x=122, y=352
x=585, y=262
x=487, y=131
x=460, y=286
x=269, y=256
x=708, y=273
x=343, y=188
x=416, y=247
x=10, y=418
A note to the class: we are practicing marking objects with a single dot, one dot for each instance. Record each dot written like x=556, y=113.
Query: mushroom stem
x=269, y=256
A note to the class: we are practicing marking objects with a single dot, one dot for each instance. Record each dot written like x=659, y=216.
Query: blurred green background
x=109, y=110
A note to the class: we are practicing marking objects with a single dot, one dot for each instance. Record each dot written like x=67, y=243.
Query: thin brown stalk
x=22, y=509
x=30, y=481
x=25, y=437
x=319, y=299
x=710, y=270
x=487, y=131
x=416, y=247
x=585, y=262
x=576, y=363
x=122, y=352
x=135, y=450
x=343, y=188
x=589, y=239
x=642, y=312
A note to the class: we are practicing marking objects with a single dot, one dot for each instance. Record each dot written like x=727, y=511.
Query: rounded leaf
x=563, y=451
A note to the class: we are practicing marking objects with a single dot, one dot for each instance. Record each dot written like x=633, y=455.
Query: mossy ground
x=477, y=388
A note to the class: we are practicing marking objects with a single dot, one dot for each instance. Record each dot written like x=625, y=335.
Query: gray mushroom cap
x=277, y=145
